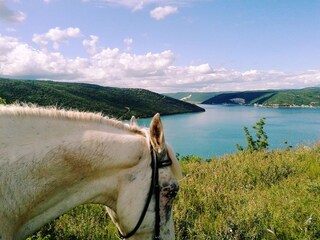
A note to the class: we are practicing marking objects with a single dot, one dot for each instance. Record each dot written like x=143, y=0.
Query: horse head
x=54, y=160
x=144, y=204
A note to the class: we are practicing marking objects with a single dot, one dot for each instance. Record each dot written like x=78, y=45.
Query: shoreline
x=266, y=106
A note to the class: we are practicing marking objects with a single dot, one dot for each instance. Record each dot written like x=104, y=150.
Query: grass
x=257, y=195
x=260, y=195
x=84, y=222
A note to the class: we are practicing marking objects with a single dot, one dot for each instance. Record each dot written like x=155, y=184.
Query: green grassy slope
x=306, y=96
x=120, y=103
x=260, y=195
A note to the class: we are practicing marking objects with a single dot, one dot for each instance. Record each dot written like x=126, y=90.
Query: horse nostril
x=173, y=193
x=174, y=188
x=170, y=190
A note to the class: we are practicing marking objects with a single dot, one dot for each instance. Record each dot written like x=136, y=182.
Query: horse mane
x=64, y=114
x=54, y=112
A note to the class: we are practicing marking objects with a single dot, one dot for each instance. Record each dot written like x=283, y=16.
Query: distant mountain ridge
x=120, y=103
x=242, y=98
x=306, y=97
x=192, y=97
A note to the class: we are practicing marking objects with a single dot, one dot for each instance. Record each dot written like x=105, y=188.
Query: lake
x=217, y=131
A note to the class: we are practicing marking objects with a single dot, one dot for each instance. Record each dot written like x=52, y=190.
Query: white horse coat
x=54, y=160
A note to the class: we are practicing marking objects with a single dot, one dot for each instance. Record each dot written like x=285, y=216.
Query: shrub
x=261, y=141
x=2, y=101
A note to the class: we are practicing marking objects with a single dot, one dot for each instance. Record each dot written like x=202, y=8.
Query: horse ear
x=157, y=134
x=133, y=122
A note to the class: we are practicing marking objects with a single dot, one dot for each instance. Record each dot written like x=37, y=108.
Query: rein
x=156, y=164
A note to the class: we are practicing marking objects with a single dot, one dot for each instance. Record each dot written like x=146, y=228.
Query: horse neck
x=81, y=163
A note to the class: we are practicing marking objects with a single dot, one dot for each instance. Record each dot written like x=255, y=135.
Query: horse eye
x=165, y=162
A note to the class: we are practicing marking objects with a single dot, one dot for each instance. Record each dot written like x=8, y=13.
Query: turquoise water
x=217, y=131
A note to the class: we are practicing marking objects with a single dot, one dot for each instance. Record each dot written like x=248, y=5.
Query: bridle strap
x=156, y=164
x=157, y=197
x=144, y=211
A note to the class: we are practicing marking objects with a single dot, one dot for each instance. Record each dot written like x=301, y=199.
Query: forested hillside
x=307, y=97
x=120, y=103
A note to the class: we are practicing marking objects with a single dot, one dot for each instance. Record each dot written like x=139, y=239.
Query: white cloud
x=92, y=44
x=56, y=35
x=128, y=43
x=160, y=13
x=132, y=4
x=140, y=4
x=200, y=69
x=9, y=15
x=21, y=60
x=153, y=71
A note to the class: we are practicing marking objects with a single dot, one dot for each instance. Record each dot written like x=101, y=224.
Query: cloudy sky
x=163, y=45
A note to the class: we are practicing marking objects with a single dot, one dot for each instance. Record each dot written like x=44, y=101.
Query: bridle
x=156, y=164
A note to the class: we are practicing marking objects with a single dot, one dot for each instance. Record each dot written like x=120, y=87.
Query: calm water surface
x=217, y=131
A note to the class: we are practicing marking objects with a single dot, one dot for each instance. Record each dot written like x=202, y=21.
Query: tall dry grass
x=260, y=195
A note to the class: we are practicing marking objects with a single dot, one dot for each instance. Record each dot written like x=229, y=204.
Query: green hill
x=307, y=97
x=248, y=97
x=302, y=97
x=119, y=103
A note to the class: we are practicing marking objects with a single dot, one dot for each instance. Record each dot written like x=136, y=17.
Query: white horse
x=54, y=160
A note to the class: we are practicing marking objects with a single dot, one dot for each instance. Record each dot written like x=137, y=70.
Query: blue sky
x=163, y=45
